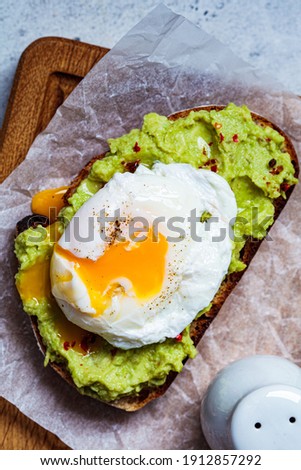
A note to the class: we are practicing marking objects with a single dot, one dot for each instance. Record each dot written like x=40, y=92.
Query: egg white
x=194, y=269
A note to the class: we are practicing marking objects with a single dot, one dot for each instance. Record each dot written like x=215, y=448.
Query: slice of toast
x=199, y=326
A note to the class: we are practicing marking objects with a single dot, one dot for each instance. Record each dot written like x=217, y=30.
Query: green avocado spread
x=253, y=161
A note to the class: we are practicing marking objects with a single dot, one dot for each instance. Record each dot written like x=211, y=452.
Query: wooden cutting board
x=49, y=69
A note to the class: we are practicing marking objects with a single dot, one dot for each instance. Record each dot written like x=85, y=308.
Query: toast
x=200, y=325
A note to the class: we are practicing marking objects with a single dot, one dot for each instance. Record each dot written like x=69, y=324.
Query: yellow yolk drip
x=34, y=282
x=74, y=337
x=49, y=202
x=142, y=263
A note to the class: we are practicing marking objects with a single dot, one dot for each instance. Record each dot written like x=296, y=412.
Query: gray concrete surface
x=267, y=34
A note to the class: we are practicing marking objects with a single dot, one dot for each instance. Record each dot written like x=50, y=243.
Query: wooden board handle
x=47, y=72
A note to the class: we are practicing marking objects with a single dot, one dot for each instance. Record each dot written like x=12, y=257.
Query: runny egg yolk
x=48, y=201
x=34, y=282
x=142, y=263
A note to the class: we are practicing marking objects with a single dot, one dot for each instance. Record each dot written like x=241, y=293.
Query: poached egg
x=137, y=262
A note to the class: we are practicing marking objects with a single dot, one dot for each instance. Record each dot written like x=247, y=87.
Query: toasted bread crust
x=199, y=326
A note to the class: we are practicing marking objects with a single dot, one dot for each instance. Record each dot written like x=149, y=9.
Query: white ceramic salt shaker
x=254, y=403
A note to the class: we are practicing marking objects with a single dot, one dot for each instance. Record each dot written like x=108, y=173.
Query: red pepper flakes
x=272, y=163
x=268, y=139
x=204, y=151
x=218, y=125
x=221, y=137
x=84, y=344
x=235, y=138
x=209, y=162
x=87, y=341
x=136, y=147
x=67, y=345
x=285, y=186
x=212, y=163
x=131, y=166
x=275, y=171
x=179, y=338
x=210, y=143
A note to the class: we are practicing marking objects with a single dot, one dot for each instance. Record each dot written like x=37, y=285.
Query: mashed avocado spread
x=253, y=161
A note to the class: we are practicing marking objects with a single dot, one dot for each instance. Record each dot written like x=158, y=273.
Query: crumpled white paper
x=164, y=64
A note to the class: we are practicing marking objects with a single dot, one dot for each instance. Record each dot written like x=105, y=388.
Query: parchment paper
x=163, y=64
